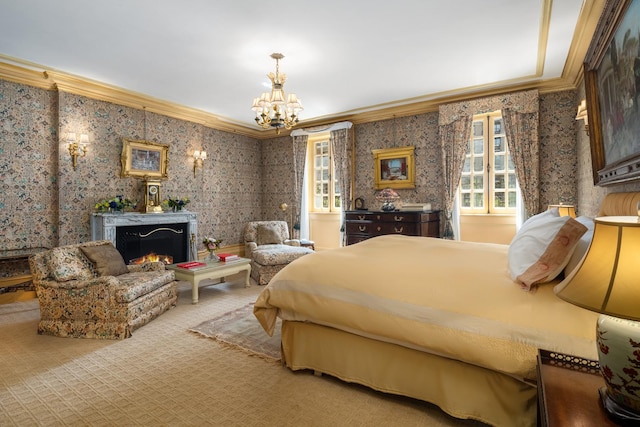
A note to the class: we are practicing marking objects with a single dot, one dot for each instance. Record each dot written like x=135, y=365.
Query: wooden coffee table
x=213, y=270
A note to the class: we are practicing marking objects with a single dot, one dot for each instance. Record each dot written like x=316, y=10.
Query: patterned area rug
x=241, y=330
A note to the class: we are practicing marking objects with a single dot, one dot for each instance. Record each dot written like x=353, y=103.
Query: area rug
x=241, y=330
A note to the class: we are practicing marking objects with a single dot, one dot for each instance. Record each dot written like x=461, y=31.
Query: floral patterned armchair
x=268, y=246
x=85, y=290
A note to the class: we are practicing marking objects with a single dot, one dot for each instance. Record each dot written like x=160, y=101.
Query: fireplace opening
x=140, y=243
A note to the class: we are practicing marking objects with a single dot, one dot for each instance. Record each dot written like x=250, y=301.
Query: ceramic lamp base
x=388, y=206
x=619, y=357
x=620, y=415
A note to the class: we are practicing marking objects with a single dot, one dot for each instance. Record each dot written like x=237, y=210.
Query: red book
x=228, y=257
x=192, y=264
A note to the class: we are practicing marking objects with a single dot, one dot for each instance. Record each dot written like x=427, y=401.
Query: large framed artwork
x=394, y=168
x=144, y=159
x=612, y=84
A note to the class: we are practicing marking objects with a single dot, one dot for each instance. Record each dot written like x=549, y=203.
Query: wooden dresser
x=362, y=225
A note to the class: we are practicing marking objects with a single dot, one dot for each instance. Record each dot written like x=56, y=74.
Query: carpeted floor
x=166, y=375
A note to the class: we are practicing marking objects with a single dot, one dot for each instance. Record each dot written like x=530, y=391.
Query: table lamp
x=608, y=282
x=387, y=197
x=565, y=210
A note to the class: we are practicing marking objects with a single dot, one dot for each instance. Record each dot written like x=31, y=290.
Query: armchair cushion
x=107, y=259
x=68, y=263
x=269, y=234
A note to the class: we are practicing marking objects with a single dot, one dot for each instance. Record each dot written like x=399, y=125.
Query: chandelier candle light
x=276, y=109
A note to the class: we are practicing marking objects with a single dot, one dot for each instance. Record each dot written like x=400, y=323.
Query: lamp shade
x=608, y=280
x=565, y=210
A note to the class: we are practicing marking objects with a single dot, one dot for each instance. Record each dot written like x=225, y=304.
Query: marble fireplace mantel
x=103, y=225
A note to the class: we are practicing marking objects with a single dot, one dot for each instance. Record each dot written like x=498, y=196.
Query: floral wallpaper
x=44, y=202
x=47, y=203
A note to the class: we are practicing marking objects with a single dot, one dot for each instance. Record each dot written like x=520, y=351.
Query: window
x=325, y=191
x=488, y=183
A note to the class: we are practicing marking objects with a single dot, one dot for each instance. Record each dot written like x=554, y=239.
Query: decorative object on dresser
x=362, y=225
x=387, y=197
x=607, y=282
x=359, y=204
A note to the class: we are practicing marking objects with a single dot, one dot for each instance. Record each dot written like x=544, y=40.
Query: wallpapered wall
x=557, y=153
x=44, y=202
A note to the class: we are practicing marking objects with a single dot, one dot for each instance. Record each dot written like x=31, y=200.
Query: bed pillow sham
x=582, y=246
x=543, y=247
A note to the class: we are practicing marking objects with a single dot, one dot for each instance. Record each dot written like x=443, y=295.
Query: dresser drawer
x=400, y=217
x=364, y=227
x=406, y=228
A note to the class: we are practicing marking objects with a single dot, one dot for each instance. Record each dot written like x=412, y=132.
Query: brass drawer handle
x=361, y=217
x=362, y=227
x=398, y=218
x=398, y=230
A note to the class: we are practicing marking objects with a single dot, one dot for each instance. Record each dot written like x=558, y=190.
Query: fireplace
x=171, y=237
x=168, y=243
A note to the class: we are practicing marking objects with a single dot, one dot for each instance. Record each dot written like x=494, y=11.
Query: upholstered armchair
x=270, y=249
x=87, y=291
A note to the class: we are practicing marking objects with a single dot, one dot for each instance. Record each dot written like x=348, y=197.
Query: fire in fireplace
x=141, y=243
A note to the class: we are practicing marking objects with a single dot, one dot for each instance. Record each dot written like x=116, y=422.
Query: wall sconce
x=582, y=115
x=199, y=156
x=77, y=146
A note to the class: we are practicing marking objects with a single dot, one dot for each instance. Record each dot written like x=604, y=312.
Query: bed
x=438, y=320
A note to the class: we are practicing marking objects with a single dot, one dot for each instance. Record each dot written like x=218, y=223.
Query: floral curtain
x=342, y=157
x=522, y=136
x=454, y=137
x=299, y=158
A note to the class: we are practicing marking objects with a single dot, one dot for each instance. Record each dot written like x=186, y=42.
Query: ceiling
x=341, y=57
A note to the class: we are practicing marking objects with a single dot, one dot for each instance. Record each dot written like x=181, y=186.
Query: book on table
x=228, y=257
x=191, y=265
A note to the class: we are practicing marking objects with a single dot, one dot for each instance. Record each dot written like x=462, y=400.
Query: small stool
x=308, y=244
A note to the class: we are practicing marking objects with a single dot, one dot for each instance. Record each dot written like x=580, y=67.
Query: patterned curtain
x=522, y=137
x=454, y=137
x=342, y=157
x=299, y=158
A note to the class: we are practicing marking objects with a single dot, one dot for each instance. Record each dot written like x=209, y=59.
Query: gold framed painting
x=144, y=159
x=394, y=168
x=612, y=86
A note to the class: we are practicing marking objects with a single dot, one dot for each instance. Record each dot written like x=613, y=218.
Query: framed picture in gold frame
x=612, y=86
x=394, y=168
x=144, y=159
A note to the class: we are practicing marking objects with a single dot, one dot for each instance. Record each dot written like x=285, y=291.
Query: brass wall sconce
x=582, y=115
x=199, y=156
x=77, y=146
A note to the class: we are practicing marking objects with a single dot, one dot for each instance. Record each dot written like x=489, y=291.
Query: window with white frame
x=488, y=184
x=325, y=190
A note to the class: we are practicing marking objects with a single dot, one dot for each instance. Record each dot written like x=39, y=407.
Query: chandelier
x=272, y=111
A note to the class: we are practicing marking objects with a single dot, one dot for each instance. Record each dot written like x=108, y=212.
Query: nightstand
x=568, y=391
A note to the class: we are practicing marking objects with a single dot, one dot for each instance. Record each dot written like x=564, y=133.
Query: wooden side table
x=568, y=391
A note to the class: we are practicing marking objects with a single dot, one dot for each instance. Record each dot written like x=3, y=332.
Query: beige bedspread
x=449, y=298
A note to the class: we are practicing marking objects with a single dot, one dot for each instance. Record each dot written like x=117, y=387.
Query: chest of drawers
x=362, y=225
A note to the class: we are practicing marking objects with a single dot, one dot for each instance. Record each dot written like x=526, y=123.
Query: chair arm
x=249, y=247
x=292, y=242
x=80, y=284
x=146, y=266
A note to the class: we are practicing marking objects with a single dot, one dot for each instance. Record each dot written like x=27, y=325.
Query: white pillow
x=542, y=248
x=581, y=246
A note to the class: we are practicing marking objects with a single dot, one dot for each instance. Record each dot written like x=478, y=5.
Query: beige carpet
x=241, y=330
x=166, y=375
